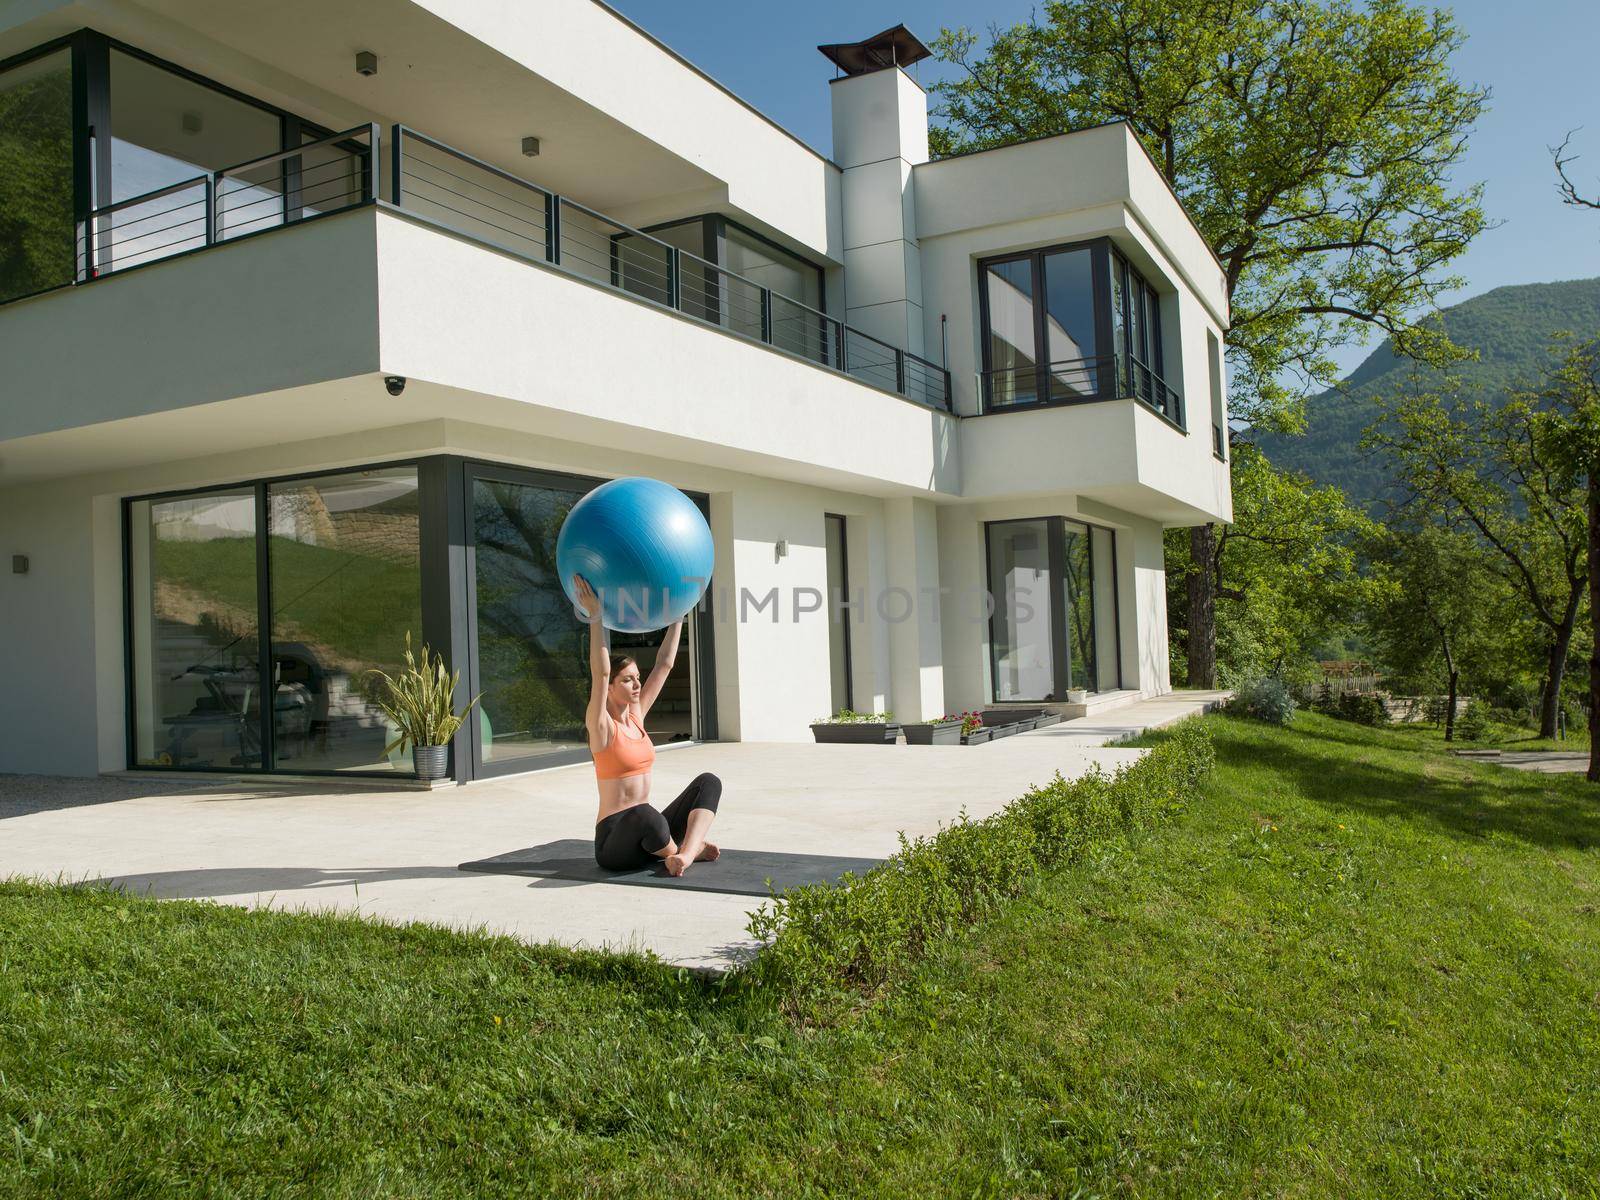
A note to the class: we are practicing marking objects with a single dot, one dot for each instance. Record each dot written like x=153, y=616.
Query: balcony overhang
x=287, y=336
x=1118, y=452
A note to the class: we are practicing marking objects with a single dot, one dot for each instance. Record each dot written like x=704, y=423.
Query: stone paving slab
x=394, y=854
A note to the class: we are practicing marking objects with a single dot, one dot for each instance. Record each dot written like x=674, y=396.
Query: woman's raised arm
x=665, y=657
x=596, y=719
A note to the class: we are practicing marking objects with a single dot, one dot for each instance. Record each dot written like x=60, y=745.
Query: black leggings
x=635, y=836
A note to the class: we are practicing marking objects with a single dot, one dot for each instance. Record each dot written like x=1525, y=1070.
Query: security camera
x=395, y=383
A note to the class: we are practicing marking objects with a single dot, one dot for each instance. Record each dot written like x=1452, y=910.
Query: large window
x=345, y=554
x=1070, y=323
x=36, y=223
x=194, y=607
x=795, y=283
x=1055, y=623
x=334, y=561
x=532, y=651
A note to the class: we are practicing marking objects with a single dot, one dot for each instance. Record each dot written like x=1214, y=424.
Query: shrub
x=825, y=940
x=847, y=716
x=1265, y=699
x=1363, y=708
x=1473, y=724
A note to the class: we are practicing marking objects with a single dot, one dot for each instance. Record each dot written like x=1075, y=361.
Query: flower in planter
x=970, y=721
x=847, y=716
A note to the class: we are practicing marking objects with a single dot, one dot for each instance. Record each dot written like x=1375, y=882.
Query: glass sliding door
x=193, y=622
x=1011, y=370
x=345, y=553
x=37, y=233
x=835, y=548
x=1019, y=582
x=1077, y=606
x=1107, y=627
x=532, y=651
x=1055, y=623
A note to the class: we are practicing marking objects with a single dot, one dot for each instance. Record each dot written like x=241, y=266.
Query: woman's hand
x=588, y=602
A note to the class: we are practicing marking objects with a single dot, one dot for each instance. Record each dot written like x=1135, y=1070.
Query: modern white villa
x=316, y=317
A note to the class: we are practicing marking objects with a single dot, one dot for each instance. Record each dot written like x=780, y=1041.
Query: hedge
x=831, y=939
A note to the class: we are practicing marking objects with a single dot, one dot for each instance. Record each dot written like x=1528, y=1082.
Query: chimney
x=880, y=132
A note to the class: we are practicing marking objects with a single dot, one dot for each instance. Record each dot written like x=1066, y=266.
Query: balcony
x=440, y=185
x=1078, y=381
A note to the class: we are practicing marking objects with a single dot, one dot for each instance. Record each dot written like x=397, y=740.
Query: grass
x=1500, y=737
x=1357, y=967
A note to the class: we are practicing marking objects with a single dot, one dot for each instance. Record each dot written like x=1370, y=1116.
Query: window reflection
x=196, y=653
x=36, y=222
x=345, y=554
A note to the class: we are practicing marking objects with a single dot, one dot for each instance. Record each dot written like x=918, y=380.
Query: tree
x=1432, y=606
x=1287, y=569
x=1489, y=470
x=1566, y=434
x=1570, y=194
x=1311, y=142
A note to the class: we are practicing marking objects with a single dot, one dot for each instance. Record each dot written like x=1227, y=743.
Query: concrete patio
x=393, y=855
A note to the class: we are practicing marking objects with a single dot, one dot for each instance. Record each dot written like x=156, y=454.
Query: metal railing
x=319, y=178
x=1144, y=384
x=450, y=187
x=479, y=200
x=1077, y=381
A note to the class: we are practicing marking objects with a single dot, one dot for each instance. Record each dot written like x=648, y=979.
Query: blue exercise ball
x=644, y=548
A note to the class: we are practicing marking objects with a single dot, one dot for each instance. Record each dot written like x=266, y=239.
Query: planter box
x=933, y=733
x=857, y=733
x=1003, y=731
x=1046, y=718
x=977, y=737
x=1022, y=719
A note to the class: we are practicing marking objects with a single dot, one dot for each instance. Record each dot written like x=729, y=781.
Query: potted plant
x=847, y=726
x=973, y=731
x=1077, y=695
x=420, y=702
x=946, y=731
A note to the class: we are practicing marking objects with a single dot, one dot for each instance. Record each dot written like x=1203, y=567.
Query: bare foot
x=677, y=864
x=708, y=853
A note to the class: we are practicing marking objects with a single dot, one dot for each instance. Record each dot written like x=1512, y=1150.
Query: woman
x=628, y=832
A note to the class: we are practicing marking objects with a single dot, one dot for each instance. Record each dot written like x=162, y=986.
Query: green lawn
x=1356, y=967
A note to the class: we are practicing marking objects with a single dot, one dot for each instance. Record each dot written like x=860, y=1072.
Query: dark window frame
x=1112, y=380
x=1055, y=548
x=704, y=658
x=844, y=584
x=93, y=130
x=260, y=488
x=447, y=565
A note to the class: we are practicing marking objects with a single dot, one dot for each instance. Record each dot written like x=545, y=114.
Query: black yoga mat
x=742, y=872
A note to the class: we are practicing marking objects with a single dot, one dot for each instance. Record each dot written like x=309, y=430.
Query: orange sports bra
x=626, y=755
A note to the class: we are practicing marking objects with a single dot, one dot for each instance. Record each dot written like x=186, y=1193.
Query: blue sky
x=1537, y=56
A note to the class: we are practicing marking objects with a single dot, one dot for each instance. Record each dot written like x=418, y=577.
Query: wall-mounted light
x=780, y=549
x=19, y=564
x=530, y=147
x=366, y=62
x=193, y=122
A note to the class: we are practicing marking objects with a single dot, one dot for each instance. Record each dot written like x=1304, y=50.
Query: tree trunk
x=1555, y=672
x=1450, y=708
x=1202, y=585
x=1594, y=623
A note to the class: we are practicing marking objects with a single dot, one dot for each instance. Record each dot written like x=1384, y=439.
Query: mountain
x=1511, y=328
